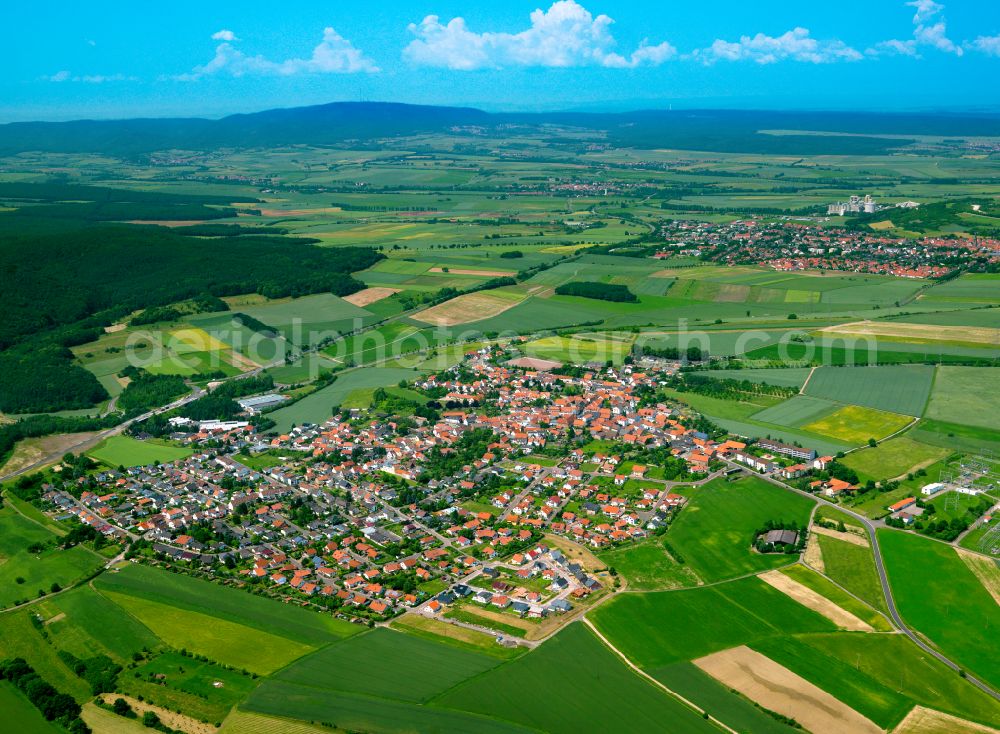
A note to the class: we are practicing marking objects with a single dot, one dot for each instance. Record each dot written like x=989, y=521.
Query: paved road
x=870, y=528
x=94, y=440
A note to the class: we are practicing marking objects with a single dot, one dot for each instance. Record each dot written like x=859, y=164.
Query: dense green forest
x=66, y=278
x=601, y=291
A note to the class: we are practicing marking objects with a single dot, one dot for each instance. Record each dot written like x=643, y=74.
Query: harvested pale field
x=848, y=537
x=242, y=362
x=813, y=555
x=815, y=601
x=917, y=333
x=928, y=721
x=465, y=309
x=576, y=552
x=170, y=718
x=31, y=450
x=534, y=363
x=777, y=688
x=483, y=273
x=370, y=295
x=115, y=327
x=986, y=570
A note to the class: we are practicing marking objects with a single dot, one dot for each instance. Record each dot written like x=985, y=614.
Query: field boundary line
x=802, y=390
x=643, y=674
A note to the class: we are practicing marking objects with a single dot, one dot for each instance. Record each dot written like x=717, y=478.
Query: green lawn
x=661, y=628
x=648, y=566
x=572, y=683
x=715, y=531
x=125, y=451
x=938, y=594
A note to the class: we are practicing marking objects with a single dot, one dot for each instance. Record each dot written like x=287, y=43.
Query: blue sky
x=71, y=60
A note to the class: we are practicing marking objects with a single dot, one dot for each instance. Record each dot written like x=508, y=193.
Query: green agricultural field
x=957, y=436
x=715, y=531
x=318, y=406
x=966, y=395
x=726, y=705
x=573, y=667
x=582, y=348
x=713, y=618
x=783, y=377
x=739, y=418
x=900, y=389
x=212, y=636
x=86, y=623
x=853, y=567
x=893, y=458
x=649, y=567
x=125, y=451
x=797, y=411
x=939, y=596
x=23, y=574
x=387, y=664
x=348, y=712
x=880, y=675
x=20, y=715
x=824, y=587
x=856, y=424
x=20, y=638
x=240, y=607
x=970, y=288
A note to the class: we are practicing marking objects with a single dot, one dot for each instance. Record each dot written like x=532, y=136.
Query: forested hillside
x=67, y=275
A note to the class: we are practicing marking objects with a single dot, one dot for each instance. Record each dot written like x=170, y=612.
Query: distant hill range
x=367, y=122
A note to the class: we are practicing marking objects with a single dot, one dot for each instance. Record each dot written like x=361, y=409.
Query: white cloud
x=66, y=76
x=989, y=45
x=793, y=45
x=565, y=35
x=925, y=33
x=334, y=54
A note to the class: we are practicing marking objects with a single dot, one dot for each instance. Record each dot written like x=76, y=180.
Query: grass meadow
x=938, y=594
x=116, y=451
x=665, y=627
x=591, y=682
x=714, y=533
